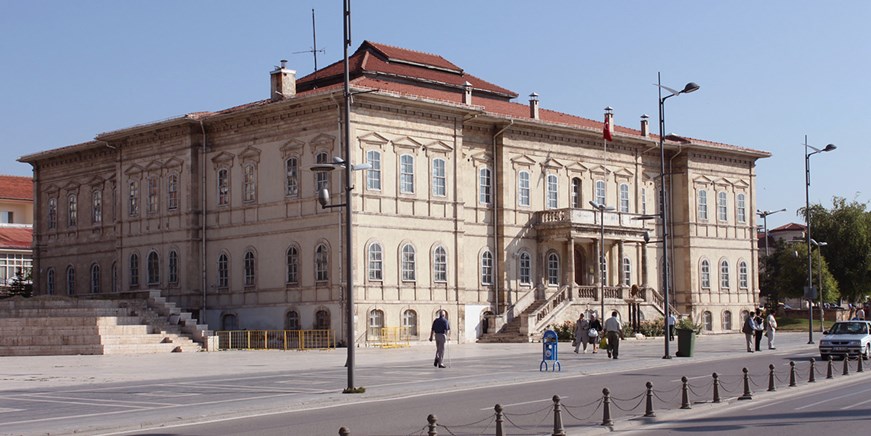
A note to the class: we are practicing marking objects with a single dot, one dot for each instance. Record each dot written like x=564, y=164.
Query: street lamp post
x=764, y=215
x=602, y=209
x=807, y=217
x=820, y=246
x=663, y=209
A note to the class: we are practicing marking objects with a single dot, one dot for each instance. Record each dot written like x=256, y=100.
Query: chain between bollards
x=648, y=409
x=747, y=394
x=431, y=419
x=811, y=378
x=716, y=388
x=771, y=387
x=829, y=370
x=684, y=397
x=557, y=418
x=606, y=407
x=498, y=410
x=792, y=374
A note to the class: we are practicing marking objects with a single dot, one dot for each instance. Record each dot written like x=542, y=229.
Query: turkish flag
x=606, y=132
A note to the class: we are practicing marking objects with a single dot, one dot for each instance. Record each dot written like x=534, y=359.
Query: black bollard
x=648, y=410
x=344, y=431
x=859, y=367
x=771, y=387
x=557, y=418
x=846, y=364
x=716, y=388
x=431, y=419
x=792, y=374
x=747, y=394
x=606, y=407
x=811, y=378
x=684, y=398
x=498, y=409
x=829, y=370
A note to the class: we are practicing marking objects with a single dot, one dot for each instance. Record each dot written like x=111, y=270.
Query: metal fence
x=276, y=340
x=390, y=337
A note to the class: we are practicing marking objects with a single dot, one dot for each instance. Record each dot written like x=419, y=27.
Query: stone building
x=473, y=204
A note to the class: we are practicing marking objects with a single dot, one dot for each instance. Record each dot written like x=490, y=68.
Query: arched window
x=95, y=279
x=376, y=323
x=407, y=264
x=600, y=191
x=703, y=205
x=525, y=268
x=742, y=275
x=553, y=269
x=172, y=192
x=741, y=208
x=439, y=178
x=724, y=274
x=406, y=174
x=486, y=268
x=624, y=198
x=134, y=270
x=249, y=183
x=291, y=178
x=250, y=268
x=727, y=321
x=523, y=189
x=708, y=320
x=291, y=321
x=722, y=210
x=50, y=281
x=173, y=267
x=223, y=187
x=440, y=264
x=153, y=266
x=292, y=265
x=409, y=323
x=322, y=263
x=485, y=186
x=627, y=271
x=322, y=319
x=223, y=271
x=373, y=174
x=576, y=192
x=229, y=322
x=375, y=256
x=71, y=280
x=705, y=274
x=72, y=208
x=552, y=191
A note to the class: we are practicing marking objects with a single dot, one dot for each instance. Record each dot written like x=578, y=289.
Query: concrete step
x=139, y=329
x=50, y=350
x=63, y=312
x=67, y=321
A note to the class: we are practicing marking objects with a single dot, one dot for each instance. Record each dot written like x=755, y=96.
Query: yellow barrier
x=392, y=337
x=276, y=340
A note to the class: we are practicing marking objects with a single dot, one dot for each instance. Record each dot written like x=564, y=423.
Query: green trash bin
x=686, y=342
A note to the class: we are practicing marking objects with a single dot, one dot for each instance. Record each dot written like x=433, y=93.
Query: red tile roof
x=789, y=227
x=16, y=188
x=16, y=237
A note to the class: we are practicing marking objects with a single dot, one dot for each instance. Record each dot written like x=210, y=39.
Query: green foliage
x=687, y=323
x=652, y=328
x=564, y=331
x=357, y=390
x=786, y=274
x=846, y=228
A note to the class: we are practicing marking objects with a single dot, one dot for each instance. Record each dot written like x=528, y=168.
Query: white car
x=845, y=339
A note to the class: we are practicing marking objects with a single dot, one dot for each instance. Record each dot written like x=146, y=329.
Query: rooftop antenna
x=314, y=50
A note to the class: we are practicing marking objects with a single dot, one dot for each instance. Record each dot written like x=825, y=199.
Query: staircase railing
x=651, y=295
x=535, y=321
x=522, y=303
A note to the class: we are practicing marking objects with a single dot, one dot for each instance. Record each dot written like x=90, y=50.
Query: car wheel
x=867, y=354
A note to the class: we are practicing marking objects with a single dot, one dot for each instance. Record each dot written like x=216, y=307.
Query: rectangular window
x=525, y=269
x=523, y=189
x=722, y=211
x=291, y=168
x=624, y=198
x=484, y=186
x=373, y=175
x=406, y=174
x=552, y=192
x=72, y=208
x=440, y=265
x=742, y=209
x=703, y=205
x=439, y=181
x=249, y=183
x=52, y=213
x=153, y=192
x=600, y=192
x=172, y=192
x=96, y=207
x=644, y=201
x=223, y=187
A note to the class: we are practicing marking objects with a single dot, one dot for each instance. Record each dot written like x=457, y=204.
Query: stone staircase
x=510, y=332
x=54, y=325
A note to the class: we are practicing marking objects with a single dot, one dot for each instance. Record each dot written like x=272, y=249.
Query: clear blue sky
x=770, y=71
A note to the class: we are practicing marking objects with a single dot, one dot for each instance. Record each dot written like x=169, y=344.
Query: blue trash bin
x=550, y=352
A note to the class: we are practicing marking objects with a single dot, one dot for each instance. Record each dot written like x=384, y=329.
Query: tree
x=847, y=231
x=21, y=285
x=787, y=273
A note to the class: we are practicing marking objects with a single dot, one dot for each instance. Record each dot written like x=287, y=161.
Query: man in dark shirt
x=440, y=329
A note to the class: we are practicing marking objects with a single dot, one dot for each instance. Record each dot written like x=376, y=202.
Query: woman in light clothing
x=582, y=337
x=770, y=328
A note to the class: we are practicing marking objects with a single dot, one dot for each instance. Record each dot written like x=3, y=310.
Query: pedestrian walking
x=614, y=332
x=770, y=329
x=749, y=330
x=759, y=320
x=582, y=334
x=440, y=329
x=860, y=312
x=594, y=332
x=670, y=321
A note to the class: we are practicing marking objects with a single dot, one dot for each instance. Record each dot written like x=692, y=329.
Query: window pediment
x=600, y=170
x=323, y=141
x=623, y=174
x=522, y=161
x=703, y=180
x=406, y=143
x=373, y=140
x=133, y=170
x=250, y=154
x=154, y=167
x=438, y=147
x=551, y=164
x=292, y=147
x=174, y=163
x=481, y=158
x=223, y=159
x=577, y=167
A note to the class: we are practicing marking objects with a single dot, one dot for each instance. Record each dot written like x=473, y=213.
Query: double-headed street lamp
x=602, y=209
x=663, y=208
x=764, y=215
x=807, y=216
x=820, y=246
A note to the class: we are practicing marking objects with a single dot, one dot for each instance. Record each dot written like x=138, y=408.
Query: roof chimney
x=645, y=126
x=533, y=106
x=467, y=93
x=283, y=82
